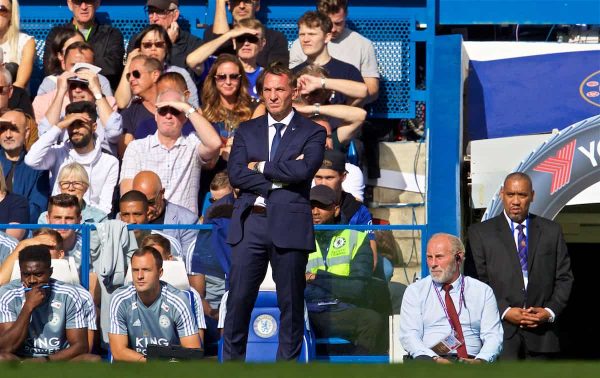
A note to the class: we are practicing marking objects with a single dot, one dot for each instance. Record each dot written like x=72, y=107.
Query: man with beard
x=446, y=316
x=20, y=178
x=83, y=147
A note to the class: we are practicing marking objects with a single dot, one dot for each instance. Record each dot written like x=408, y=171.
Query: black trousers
x=249, y=261
x=364, y=327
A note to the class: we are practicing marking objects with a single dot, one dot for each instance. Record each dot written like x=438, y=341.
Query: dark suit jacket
x=492, y=258
x=288, y=209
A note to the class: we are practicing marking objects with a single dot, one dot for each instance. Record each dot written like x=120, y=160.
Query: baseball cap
x=322, y=194
x=335, y=160
x=162, y=4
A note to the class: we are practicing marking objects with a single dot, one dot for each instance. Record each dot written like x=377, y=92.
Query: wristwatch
x=98, y=96
x=317, y=111
x=189, y=112
x=256, y=168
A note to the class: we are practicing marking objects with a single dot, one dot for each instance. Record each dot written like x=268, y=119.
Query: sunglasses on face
x=163, y=111
x=158, y=45
x=79, y=2
x=77, y=85
x=5, y=126
x=135, y=73
x=246, y=37
x=224, y=77
x=158, y=12
x=4, y=10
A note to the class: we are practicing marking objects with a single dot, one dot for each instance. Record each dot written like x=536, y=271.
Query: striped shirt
x=178, y=167
x=46, y=333
x=162, y=323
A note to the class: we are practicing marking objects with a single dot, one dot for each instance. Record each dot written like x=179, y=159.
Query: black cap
x=162, y=4
x=323, y=194
x=335, y=160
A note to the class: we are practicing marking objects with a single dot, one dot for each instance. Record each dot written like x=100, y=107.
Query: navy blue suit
x=282, y=236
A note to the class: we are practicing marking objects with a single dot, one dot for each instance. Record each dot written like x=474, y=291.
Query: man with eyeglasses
x=12, y=97
x=248, y=37
x=175, y=158
x=165, y=13
x=143, y=76
x=106, y=40
x=161, y=211
x=276, y=46
x=83, y=147
x=20, y=178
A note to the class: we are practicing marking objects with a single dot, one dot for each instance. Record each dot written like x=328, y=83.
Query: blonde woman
x=73, y=179
x=18, y=49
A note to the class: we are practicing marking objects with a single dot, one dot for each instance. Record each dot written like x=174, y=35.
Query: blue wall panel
x=444, y=109
x=465, y=12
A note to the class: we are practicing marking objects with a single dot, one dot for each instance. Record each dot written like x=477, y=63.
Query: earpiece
x=457, y=257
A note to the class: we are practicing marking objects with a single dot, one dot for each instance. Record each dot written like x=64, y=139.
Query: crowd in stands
x=142, y=136
x=136, y=142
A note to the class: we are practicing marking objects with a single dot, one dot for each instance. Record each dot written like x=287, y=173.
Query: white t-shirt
x=6, y=50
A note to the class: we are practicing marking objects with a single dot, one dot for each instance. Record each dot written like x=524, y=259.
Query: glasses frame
x=135, y=73
x=231, y=77
x=164, y=110
x=158, y=45
x=158, y=12
x=75, y=184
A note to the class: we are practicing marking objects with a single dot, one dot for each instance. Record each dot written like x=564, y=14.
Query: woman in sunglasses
x=248, y=39
x=18, y=48
x=226, y=103
x=154, y=42
x=74, y=180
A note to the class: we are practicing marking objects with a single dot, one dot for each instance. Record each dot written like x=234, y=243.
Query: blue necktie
x=522, y=247
x=276, y=140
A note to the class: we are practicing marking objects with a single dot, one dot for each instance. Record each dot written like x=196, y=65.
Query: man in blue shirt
x=445, y=312
x=21, y=178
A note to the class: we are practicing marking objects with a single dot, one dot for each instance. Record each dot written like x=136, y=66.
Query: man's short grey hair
x=6, y=74
x=182, y=96
x=456, y=245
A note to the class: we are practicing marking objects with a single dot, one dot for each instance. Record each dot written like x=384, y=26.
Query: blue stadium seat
x=263, y=332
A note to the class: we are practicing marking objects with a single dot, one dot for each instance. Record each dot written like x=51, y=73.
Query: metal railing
x=86, y=228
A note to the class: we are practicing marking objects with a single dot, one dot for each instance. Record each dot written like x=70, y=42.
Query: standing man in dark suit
x=272, y=162
x=524, y=259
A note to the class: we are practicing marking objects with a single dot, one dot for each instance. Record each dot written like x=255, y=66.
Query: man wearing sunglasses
x=106, y=41
x=20, y=178
x=248, y=38
x=276, y=46
x=174, y=157
x=165, y=13
x=12, y=97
